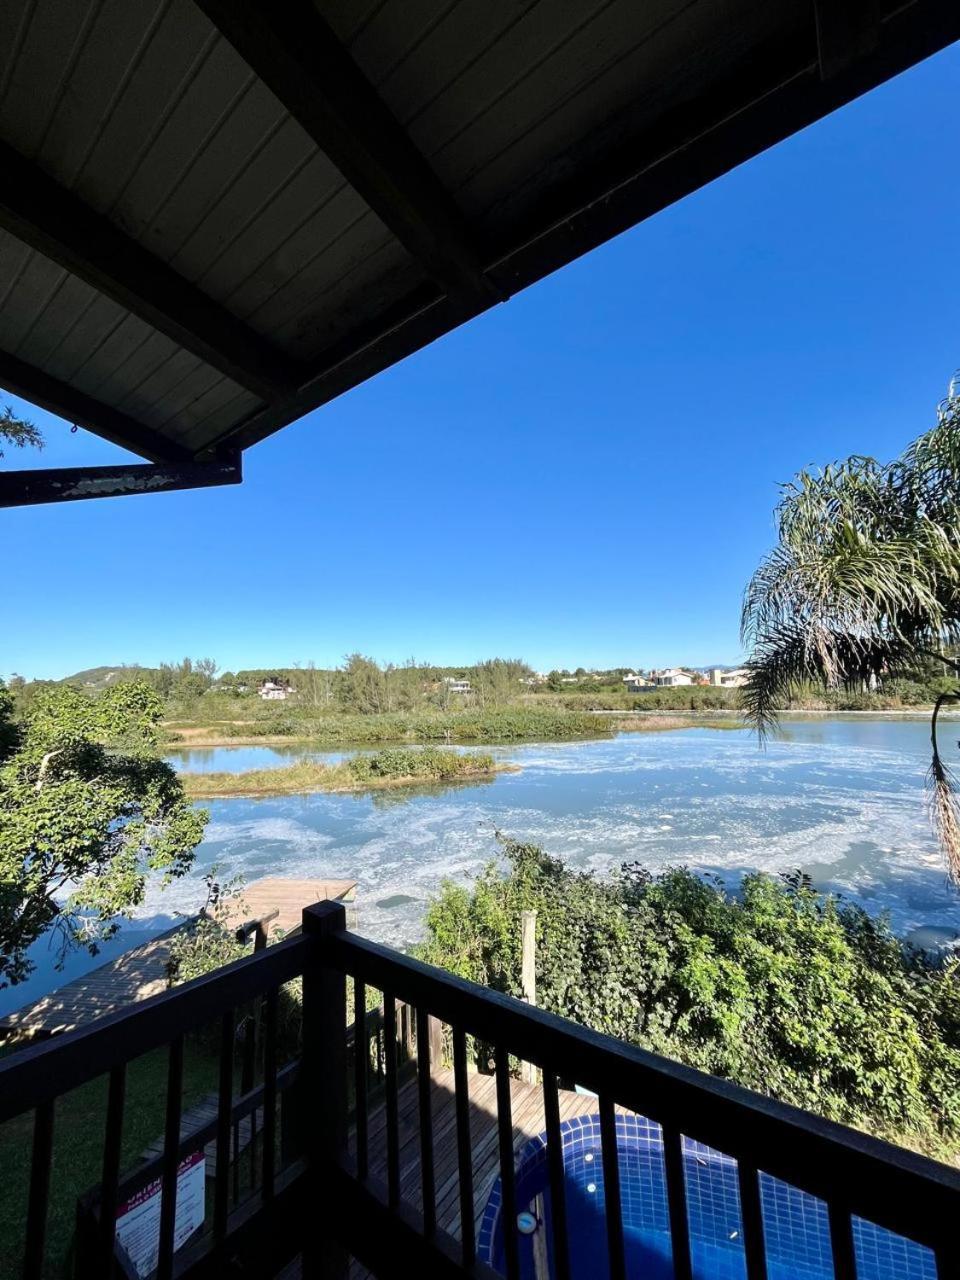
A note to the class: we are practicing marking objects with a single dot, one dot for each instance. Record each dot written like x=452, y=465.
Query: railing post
x=323, y=1093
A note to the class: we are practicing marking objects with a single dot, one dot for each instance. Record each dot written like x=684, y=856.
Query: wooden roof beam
x=292, y=50
x=73, y=484
x=30, y=383
x=52, y=220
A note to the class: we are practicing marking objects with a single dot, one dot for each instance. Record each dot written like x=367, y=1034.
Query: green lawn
x=78, y=1146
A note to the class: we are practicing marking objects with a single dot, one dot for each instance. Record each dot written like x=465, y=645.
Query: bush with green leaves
x=783, y=989
x=88, y=812
x=429, y=763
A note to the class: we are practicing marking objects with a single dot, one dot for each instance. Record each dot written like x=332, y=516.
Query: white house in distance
x=734, y=679
x=636, y=684
x=456, y=686
x=275, y=690
x=670, y=677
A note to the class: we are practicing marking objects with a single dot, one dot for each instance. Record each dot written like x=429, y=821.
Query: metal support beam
x=30, y=383
x=302, y=62
x=71, y=484
x=52, y=220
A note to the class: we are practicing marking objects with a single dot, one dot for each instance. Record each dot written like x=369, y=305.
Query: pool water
x=796, y=1227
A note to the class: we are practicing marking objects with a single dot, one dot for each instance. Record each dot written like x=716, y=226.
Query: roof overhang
x=218, y=215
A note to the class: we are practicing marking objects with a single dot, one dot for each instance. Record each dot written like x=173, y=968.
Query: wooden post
x=324, y=1092
x=528, y=977
x=435, y=1035
x=528, y=1072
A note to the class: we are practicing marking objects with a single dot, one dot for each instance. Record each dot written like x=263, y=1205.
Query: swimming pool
x=796, y=1228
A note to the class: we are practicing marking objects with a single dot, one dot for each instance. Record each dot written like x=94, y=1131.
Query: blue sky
x=585, y=475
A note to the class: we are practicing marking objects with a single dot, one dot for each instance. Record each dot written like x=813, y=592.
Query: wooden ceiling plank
x=53, y=221
x=48, y=392
x=293, y=51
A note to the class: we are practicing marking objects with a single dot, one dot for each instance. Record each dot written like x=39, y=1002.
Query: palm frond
x=943, y=798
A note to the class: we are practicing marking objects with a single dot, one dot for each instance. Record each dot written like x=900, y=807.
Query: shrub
x=780, y=988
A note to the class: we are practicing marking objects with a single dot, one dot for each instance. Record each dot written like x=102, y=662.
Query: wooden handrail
x=897, y=1189
x=42, y=1071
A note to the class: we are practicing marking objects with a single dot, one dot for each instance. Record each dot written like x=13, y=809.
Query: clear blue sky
x=585, y=475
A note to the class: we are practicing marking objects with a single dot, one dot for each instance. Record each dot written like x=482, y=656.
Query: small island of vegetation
x=393, y=767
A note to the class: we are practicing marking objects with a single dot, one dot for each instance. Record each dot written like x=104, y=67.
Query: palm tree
x=863, y=583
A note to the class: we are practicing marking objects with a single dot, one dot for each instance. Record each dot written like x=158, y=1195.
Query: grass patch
x=506, y=724
x=650, y=723
x=78, y=1129
x=394, y=767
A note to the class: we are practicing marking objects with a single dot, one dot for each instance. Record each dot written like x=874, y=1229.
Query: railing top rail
x=52, y=1067
x=907, y=1193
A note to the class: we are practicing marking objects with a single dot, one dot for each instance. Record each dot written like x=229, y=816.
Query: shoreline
x=669, y=720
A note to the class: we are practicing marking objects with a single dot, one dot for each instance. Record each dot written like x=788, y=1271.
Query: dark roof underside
x=216, y=215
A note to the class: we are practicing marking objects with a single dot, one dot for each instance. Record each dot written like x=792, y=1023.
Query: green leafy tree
x=18, y=431
x=864, y=584
x=87, y=813
x=363, y=685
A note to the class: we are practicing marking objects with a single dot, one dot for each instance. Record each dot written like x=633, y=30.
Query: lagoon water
x=840, y=797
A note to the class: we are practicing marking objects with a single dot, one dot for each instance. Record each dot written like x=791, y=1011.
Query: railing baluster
x=39, y=1191
x=270, y=1091
x=427, y=1181
x=841, y=1242
x=221, y=1184
x=113, y=1137
x=948, y=1262
x=461, y=1094
x=558, y=1194
x=677, y=1204
x=611, y=1185
x=751, y=1213
x=508, y=1177
x=171, y=1161
x=392, y=1112
x=361, y=1065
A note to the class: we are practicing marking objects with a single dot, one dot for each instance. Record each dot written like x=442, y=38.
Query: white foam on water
x=824, y=798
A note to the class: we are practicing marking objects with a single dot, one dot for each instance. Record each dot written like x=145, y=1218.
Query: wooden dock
x=279, y=901
x=141, y=972
x=137, y=975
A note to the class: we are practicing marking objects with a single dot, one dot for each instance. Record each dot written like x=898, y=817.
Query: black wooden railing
x=318, y=1195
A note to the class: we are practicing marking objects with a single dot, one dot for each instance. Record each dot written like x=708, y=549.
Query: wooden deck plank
x=136, y=975
x=287, y=896
x=141, y=972
x=528, y=1121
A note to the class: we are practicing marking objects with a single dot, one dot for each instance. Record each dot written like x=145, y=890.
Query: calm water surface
x=841, y=798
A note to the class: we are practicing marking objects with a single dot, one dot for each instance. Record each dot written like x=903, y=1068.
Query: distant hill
x=98, y=678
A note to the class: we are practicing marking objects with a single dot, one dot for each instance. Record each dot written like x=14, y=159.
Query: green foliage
x=87, y=812
x=862, y=584
x=209, y=943
x=19, y=432
x=787, y=991
x=431, y=763
x=504, y=724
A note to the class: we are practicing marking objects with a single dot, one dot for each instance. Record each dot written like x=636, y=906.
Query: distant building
x=671, y=677
x=275, y=690
x=637, y=684
x=457, y=686
x=733, y=679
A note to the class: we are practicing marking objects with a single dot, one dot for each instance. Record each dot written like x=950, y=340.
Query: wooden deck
x=279, y=900
x=138, y=974
x=141, y=972
x=528, y=1121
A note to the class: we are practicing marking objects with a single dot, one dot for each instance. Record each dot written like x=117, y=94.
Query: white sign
x=138, y=1221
